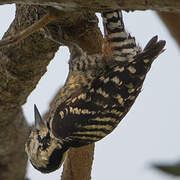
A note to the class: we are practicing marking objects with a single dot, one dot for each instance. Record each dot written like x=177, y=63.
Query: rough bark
x=21, y=67
x=96, y=5
x=78, y=164
x=172, y=21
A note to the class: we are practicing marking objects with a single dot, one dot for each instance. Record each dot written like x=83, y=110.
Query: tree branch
x=21, y=67
x=79, y=160
x=96, y=5
x=172, y=21
x=13, y=132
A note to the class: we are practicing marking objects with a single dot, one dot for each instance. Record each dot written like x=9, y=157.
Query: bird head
x=45, y=152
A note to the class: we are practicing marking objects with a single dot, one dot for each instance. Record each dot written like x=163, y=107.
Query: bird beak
x=38, y=120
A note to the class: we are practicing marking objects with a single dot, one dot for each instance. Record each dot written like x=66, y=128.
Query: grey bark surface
x=21, y=67
x=96, y=5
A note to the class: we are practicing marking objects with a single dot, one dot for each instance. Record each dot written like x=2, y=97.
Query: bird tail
x=117, y=41
x=151, y=51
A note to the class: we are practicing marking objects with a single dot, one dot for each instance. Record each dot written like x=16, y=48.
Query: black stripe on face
x=45, y=141
x=48, y=125
x=55, y=160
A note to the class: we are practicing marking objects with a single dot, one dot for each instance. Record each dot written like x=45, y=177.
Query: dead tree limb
x=172, y=21
x=96, y=5
x=79, y=160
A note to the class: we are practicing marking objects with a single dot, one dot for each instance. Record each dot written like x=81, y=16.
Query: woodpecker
x=98, y=93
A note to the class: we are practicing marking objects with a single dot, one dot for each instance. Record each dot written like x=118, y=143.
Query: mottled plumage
x=98, y=93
